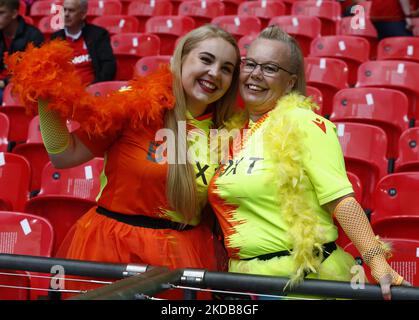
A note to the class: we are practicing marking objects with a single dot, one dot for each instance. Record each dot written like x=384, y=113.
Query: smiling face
x=207, y=72
x=261, y=92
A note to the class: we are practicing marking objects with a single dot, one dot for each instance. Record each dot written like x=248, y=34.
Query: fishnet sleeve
x=354, y=222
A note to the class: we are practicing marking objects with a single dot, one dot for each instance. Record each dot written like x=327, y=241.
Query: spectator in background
x=391, y=18
x=93, y=56
x=15, y=35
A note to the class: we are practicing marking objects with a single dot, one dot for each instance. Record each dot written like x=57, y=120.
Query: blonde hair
x=296, y=58
x=181, y=184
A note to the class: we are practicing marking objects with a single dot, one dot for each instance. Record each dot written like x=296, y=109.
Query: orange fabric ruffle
x=46, y=73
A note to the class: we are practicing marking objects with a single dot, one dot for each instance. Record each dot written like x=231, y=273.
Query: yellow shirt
x=245, y=199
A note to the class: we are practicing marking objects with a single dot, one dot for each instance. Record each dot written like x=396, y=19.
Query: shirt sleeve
x=323, y=158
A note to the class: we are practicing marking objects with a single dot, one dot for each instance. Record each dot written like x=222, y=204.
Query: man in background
x=15, y=35
x=93, y=56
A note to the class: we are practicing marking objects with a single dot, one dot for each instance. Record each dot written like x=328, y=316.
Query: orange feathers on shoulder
x=46, y=73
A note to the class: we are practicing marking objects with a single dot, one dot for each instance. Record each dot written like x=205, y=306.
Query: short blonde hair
x=296, y=58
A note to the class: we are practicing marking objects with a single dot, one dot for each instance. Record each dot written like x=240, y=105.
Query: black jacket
x=98, y=45
x=25, y=34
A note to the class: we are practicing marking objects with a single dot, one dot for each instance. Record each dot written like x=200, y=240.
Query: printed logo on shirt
x=81, y=59
x=201, y=172
x=231, y=167
x=320, y=123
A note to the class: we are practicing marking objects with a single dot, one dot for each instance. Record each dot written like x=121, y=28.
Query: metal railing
x=143, y=281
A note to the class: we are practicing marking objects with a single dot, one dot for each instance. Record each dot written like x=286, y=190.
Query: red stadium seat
x=264, y=10
x=357, y=185
x=362, y=27
x=149, y=64
x=396, y=209
x=176, y=4
x=45, y=27
x=79, y=182
x=386, y=108
x=19, y=123
x=34, y=151
x=352, y=50
x=22, y=8
x=99, y=8
x=288, y=6
x=105, y=87
x=169, y=29
x=404, y=259
x=14, y=283
x=29, y=235
x=15, y=175
x=364, y=148
x=399, y=48
x=201, y=11
x=317, y=96
x=397, y=74
x=408, y=159
x=117, y=23
x=244, y=43
x=144, y=9
x=41, y=9
x=66, y=194
x=329, y=75
x=137, y=44
x=9, y=97
x=129, y=47
x=4, y=132
x=231, y=6
x=238, y=26
x=343, y=240
x=329, y=13
x=303, y=28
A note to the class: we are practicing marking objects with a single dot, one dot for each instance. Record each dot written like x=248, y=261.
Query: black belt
x=328, y=248
x=143, y=221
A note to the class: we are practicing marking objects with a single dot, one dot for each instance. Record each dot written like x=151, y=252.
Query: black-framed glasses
x=269, y=69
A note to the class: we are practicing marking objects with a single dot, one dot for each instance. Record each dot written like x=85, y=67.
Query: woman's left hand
x=385, y=284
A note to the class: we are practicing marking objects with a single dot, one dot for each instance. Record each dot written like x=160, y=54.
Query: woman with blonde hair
x=148, y=210
x=276, y=207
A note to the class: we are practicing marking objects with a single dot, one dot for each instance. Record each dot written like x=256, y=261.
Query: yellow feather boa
x=284, y=139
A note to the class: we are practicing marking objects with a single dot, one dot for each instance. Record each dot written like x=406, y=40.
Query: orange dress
x=120, y=127
x=134, y=183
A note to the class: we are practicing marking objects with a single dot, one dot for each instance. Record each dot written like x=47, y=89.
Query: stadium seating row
x=64, y=195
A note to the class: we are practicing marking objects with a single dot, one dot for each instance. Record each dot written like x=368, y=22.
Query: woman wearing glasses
x=276, y=204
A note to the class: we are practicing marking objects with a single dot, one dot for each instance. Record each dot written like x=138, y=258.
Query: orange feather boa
x=46, y=73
